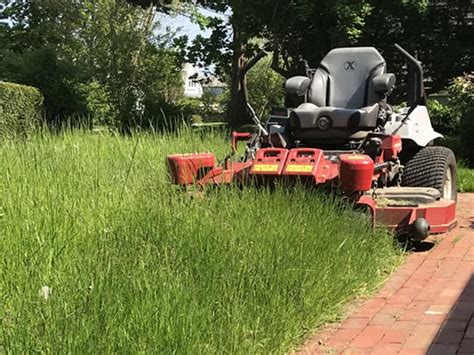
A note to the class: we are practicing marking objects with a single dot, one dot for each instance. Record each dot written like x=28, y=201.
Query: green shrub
x=265, y=88
x=462, y=91
x=21, y=109
x=465, y=179
x=55, y=77
x=445, y=119
x=190, y=106
x=98, y=103
x=161, y=115
x=209, y=108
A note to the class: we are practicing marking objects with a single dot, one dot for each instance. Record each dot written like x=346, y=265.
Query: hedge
x=21, y=110
x=462, y=90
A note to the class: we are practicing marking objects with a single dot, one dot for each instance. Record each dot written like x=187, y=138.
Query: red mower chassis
x=400, y=209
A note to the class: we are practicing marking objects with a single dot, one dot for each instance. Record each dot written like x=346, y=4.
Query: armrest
x=297, y=85
x=384, y=83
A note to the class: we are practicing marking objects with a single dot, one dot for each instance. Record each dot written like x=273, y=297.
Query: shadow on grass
x=456, y=334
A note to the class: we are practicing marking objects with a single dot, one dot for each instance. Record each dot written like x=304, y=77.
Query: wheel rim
x=448, y=185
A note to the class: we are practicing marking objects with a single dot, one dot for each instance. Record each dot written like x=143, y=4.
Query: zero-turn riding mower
x=341, y=132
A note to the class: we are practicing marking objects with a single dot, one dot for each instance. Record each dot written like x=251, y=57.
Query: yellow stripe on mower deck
x=265, y=168
x=299, y=168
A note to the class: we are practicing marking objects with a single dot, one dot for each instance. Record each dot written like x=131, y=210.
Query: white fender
x=416, y=128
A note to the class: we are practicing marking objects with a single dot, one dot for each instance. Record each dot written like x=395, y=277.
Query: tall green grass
x=136, y=265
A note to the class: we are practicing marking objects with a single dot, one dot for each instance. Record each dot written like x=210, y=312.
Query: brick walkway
x=426, y=307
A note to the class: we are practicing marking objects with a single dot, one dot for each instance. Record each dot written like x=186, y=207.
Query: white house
x=197, y=82
x=213, y=85
x=192, y=85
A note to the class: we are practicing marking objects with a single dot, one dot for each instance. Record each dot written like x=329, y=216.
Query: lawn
x=131, y=264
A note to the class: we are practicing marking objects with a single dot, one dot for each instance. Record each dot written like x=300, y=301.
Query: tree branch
x=252, y=62
x=276, y=67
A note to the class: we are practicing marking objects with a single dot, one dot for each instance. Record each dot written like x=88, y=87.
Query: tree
x=126, y=56
x=293, y=29
x=162, y=5
x=56, y=78
x=35, y=45
x=97, y=50
x=438, y=34
x=307, y=30
x=230, y=47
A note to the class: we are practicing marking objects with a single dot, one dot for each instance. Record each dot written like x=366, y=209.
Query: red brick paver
x=426, y=307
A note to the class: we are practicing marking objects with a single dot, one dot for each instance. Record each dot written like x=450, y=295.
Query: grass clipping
x=131, y=264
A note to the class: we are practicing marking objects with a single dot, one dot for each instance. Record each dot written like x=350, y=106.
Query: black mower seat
x=342, y=98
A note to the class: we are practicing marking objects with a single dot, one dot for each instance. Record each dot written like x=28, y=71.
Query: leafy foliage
x=98, y=103
x=306, y=29
x=318, y=25
x=63, y=48
x=265, y=88
x=21, y=110
x=465, y=179
x=124, y=57
x=56, y=78
x=444, y=118
x=163, y=5
x=462, y=90
x=438, y=33
x=71, y=52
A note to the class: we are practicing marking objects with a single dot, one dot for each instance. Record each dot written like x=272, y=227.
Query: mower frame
x=368, y=180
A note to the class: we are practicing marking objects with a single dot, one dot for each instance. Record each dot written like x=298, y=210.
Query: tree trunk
x=237, y=113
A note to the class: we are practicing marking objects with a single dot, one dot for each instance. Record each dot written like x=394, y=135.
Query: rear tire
x=434, y=167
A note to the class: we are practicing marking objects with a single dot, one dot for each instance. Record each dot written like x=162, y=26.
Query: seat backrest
x=344, y=78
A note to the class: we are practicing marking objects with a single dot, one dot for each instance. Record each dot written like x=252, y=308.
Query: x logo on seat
x=350, y=65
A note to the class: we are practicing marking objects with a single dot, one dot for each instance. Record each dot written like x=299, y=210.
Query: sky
x=184, y=25
x=181, y=23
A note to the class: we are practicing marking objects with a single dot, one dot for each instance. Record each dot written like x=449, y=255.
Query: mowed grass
x=136, y=265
